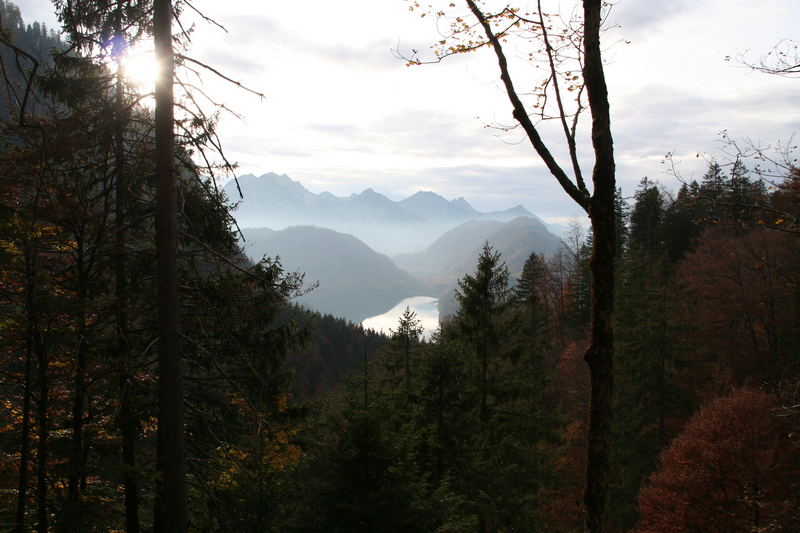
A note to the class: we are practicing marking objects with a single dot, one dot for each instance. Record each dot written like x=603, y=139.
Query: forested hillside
x=485, y=423
x=25, y=52
x=302, y=422
x=345, y=277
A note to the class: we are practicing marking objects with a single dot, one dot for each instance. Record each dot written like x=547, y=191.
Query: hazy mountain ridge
x=355, y=282
x=277, y=202
x=338, y=241
x=454, y=253
x=450, y=251
x=427, y=204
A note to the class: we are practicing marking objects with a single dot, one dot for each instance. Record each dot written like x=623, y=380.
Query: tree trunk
x=127, y=420
x=76, y=457
x=599, y=357
x=25, y=438
x=43, y=390
x=440, y=418
x=41, y=448
x=171, y=513
x=31, y=340
x=600, y=354
x=407, y=346
x=483, y=354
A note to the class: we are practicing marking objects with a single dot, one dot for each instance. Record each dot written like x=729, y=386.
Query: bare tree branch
x=782, y=60
x=220, y=74
x=29, y=80
x=521, y=115
x=569, y=134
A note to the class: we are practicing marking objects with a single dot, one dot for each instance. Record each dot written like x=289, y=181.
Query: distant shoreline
x=426, y=308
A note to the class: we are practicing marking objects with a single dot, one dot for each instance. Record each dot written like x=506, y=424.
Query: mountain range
x=387, y=226
x=342, y=244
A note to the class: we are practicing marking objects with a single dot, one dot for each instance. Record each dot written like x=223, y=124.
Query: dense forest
x=300, y=422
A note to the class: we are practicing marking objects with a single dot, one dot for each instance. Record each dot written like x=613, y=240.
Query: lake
x=425, y=307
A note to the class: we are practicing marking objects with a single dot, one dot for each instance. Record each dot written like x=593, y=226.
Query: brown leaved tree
x=734, y=468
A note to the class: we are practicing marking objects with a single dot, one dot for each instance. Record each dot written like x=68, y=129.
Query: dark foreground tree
x=171, y=507
x=574, y=59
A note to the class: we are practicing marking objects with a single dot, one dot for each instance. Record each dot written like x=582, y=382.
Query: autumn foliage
x=744, y=287
x=730, y=470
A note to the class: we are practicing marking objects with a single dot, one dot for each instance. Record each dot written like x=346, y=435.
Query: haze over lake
x=426, y=308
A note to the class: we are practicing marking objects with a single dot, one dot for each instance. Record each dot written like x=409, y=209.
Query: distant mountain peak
x=516, y=211
x=277, y=201
x=434, y=206
x=372, y=196
x=282, y=180
x=423, y=197
x=461, y=202
x=426, y=194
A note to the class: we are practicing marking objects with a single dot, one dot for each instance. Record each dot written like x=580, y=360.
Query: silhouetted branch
x=205, y=17
x=220, y=74
x=782, y=60
x=28, y=82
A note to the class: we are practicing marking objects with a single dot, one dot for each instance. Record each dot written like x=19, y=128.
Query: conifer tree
x=681, y=223
x=482, y=297
x=527, y=294
x=407, y=336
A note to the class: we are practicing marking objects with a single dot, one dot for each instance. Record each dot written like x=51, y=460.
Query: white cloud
x=341, y=113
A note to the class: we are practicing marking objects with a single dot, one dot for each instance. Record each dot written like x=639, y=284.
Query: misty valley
x=418, y=246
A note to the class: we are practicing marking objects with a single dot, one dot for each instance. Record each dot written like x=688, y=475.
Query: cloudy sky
x=342, y=113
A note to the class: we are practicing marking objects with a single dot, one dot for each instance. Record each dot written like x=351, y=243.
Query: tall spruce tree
x=527, y=295
x=482, y=297
x=406, y=339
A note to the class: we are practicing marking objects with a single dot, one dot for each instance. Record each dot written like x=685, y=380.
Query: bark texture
x=600, y=355
x=171, y=513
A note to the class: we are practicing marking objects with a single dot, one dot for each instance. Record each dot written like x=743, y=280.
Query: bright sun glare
x=140, y=67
